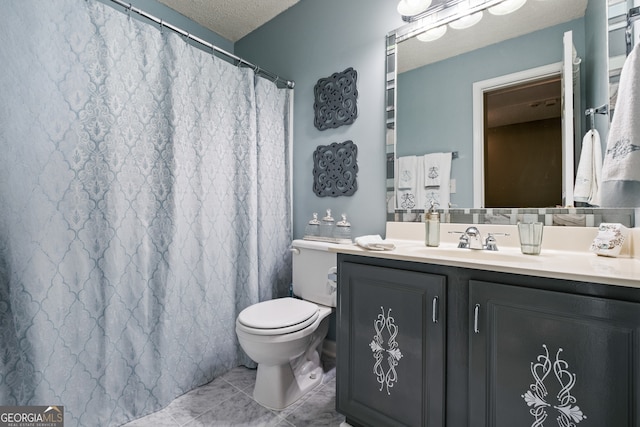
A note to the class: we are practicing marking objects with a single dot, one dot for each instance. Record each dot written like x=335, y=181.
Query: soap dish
x=610, y=239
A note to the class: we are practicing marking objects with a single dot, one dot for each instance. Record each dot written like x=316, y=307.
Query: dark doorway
x=523, y=145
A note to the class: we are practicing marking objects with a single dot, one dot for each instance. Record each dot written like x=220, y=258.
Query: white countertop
x=564, y=254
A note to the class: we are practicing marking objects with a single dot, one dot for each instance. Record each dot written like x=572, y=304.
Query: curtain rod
x=260, y=71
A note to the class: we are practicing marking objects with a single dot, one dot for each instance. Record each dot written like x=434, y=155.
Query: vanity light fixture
x=432, y=34
x=466, y=21
x=413, y=7
x=506, y=7
x=441, y=12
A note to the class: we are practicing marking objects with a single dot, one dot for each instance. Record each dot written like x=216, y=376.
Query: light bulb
x=506, y=7
x=466, y=21
x=413, y=7
x=432, y=34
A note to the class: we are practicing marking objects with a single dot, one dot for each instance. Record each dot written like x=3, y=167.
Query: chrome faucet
x=490, y=243
x=472, y=239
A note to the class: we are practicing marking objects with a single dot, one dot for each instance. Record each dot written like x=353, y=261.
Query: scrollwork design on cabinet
x=536, y=397
x=385, y=325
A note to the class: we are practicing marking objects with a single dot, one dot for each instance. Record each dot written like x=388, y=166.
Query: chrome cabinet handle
x=476, y=312
x=434, y=310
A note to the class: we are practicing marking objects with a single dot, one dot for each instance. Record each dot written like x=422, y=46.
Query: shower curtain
x=144, y=201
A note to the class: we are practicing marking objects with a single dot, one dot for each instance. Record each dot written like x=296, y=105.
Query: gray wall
x=313, y=40
x=435, y=102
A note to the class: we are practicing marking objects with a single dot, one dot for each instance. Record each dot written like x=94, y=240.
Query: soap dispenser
x=432, y=226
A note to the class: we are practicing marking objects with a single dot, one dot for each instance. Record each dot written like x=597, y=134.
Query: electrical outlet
x=452, y=186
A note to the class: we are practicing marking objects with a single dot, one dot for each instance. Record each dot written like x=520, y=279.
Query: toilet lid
x=278, y=313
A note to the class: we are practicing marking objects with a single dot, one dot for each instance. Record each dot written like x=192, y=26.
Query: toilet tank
x=312, y=264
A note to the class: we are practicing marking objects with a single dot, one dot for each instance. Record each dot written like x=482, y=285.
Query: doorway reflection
x=523, y=144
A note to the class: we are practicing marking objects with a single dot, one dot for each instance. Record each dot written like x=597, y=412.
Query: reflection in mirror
x=430, y=100
x=623, y=33
x=522, y=144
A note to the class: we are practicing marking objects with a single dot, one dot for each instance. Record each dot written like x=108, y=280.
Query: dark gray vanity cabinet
x=391, y=348
x=498, y=349
x=539, y=356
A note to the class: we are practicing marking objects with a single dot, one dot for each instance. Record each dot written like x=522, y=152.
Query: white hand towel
x=437, y=180
x=374, y=242
x=622, y=158
x=589, y=169
x=407, y=172
x=420, y=189
x=437, y=169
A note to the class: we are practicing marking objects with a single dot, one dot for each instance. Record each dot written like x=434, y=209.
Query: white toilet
x=284, y=336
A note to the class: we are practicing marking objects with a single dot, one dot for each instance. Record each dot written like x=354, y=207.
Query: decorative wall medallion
x=385, y=327
x=335, y=100
x=568, y=414
x=335, y=169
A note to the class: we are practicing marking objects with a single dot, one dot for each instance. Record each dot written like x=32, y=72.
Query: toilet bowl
x=284, y=336
x=288, y=357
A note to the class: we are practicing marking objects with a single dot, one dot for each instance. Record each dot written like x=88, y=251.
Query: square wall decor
x=335, y=169
x=335, y=100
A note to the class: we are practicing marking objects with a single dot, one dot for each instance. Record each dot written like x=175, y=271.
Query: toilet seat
x=278, y=316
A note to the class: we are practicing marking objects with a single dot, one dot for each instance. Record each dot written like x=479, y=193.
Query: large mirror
x=431, y=88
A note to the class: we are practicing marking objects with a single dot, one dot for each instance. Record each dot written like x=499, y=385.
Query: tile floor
x=228, y=401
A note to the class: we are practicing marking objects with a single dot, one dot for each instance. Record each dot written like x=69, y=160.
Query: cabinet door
x=391, y=350
x=544, y=358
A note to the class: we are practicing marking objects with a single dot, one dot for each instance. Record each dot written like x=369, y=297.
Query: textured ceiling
x=534, y=15
x=232, y=19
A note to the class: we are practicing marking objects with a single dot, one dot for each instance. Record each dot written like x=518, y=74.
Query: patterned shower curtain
x=144, y=201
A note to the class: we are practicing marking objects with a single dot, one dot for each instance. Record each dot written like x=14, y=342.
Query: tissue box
x=610, y=239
